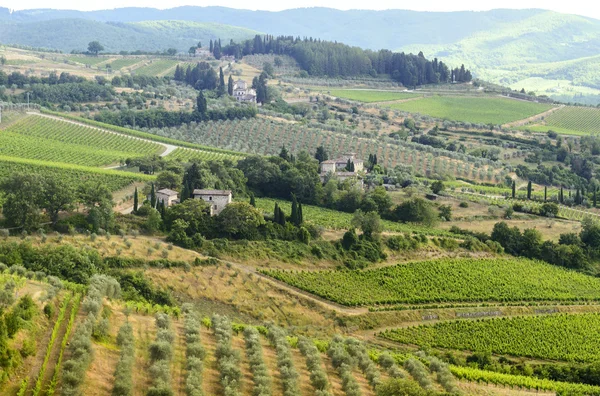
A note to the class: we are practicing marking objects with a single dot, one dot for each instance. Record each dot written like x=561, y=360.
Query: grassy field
x=155, y=67
x=368, y=96
x=123, y=63
x=41, y=138
x=447, y=280
x=571, y=121
x=87, y=60
x=560, y=337
x=474, y=110
x=336, y=220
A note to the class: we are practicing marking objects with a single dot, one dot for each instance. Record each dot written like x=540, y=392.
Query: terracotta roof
x=211, y=192
x=168, y=192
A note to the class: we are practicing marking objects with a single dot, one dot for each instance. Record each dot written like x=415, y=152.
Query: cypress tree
x=577, y=196
x=221, y=89
x=211, y=47
x=201, y=105
x=595, y=201
x=185, y=192
x=514, y=189
x=252, y=200
x=300, y=215
x=230, y=84
x=561, y=196
x=135, y=201
x=294, y=215
x=545, y=193
x=276, y=214
x=281, y=217
x=153, y=197
x=529, y=190
x=374, y=159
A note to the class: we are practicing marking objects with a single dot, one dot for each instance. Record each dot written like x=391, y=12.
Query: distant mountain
x=75, y=34
x=367, y=29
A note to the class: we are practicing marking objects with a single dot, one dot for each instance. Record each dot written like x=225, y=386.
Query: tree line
x=332, y=59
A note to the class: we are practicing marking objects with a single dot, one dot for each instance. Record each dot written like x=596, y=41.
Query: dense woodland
x=332, y=59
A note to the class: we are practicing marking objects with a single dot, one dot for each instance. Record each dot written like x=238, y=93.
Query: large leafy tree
x=240, y=220
x=95, y=47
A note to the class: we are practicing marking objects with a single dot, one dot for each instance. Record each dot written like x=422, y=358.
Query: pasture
x=485, y=110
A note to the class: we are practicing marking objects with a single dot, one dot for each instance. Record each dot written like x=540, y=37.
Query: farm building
x=168, y=197
x=218, y=199
x=242, y=93
x=339, y=167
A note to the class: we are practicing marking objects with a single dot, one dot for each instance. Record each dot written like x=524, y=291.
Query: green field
x=87, y=60
x=156, y=68
x=447, y=280
x=126, y=62
x=571, y=121
x=47, y=139
x=568, y=337
x=333, y=219
x=368, y=96
x=487, y=110
x=71, y=174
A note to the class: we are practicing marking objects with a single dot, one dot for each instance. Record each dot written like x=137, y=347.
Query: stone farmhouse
x=218, y=199
x=338, y=166
x=168, y=197
x=202, y=53
x=242, y=93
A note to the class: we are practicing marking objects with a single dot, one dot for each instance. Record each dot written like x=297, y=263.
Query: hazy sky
x=580, y=7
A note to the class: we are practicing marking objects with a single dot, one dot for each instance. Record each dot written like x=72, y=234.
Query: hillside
x=69, y=34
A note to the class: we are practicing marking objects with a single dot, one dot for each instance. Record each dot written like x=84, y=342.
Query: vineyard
x=47, y=139
x=333, y=219
x=189, y=155
x=87, y=60
x=495, y=111
x=446, y=280
x=572, y=121
x=569, y=337
x=266, y=137
x=370, y=96
x=71, y=174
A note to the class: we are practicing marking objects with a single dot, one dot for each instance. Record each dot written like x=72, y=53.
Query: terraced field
x=48, y=139
x=88, y=60
x=561, y=337
x=487, y=110
x=447, y=280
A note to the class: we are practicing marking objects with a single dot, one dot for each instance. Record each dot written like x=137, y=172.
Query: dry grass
x=210, y=374
x=242, y=296
x=471, y=388
x=549, y=228
x=142, y=247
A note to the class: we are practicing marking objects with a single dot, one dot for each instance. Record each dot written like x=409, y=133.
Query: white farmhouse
x=168, y=197
x=218, y=199
x=242, y=93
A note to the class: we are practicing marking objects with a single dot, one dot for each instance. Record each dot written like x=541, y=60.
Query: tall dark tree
x=153, y=196
x=321, y=154
x=529, y=190
x=222, y=88
x=135, y=201
x=211, y=47
x=300, y=215
x=545, y=193
x=294, y=218
x=262, y=95
x=276, y=213
x=284, y=153
x=201, y=105
x=514, y=189
x=252, y=200
x=561, y=196
x=230, y=85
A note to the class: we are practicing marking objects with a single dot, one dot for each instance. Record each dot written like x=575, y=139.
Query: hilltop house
x=242, y=93
x=218, y=199
x=202, y=53
x=168, y=197
x=339, y=167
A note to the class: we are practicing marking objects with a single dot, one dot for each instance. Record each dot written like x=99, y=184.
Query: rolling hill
x=542, y=51
x=75, y=34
